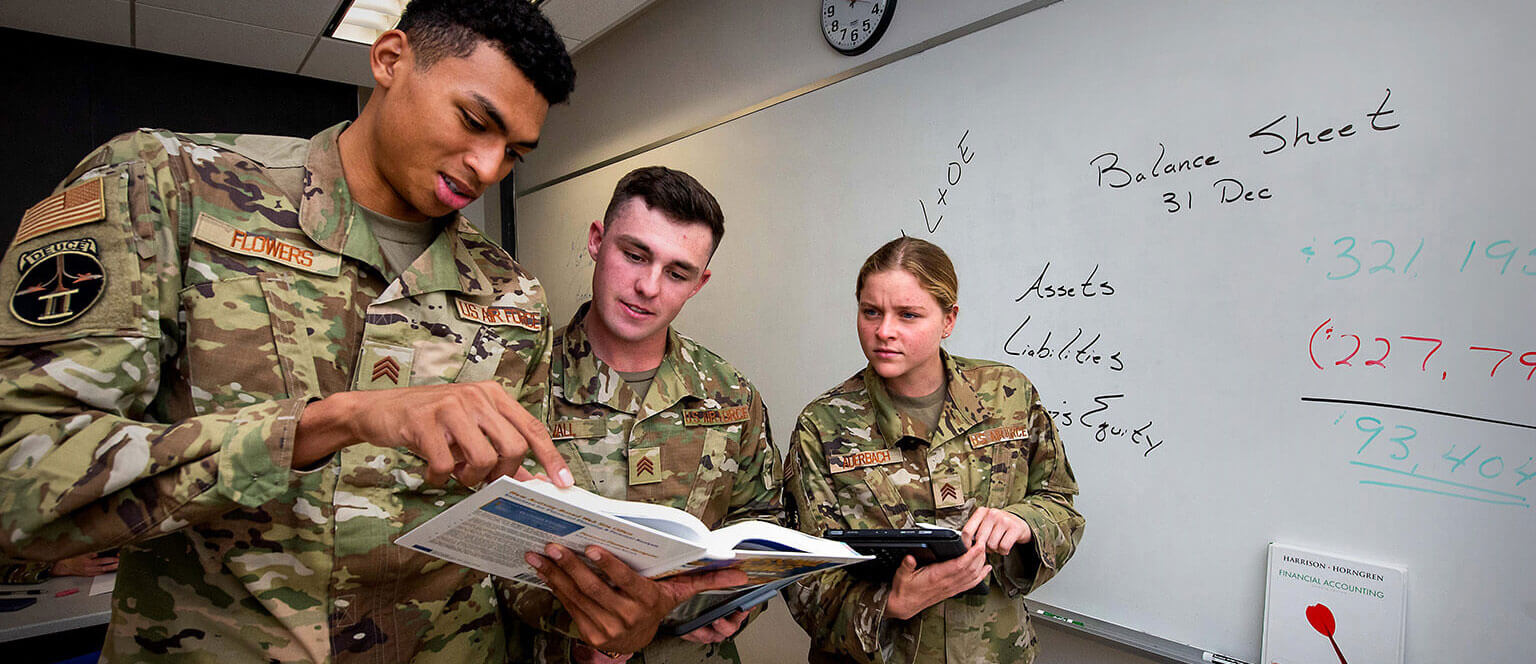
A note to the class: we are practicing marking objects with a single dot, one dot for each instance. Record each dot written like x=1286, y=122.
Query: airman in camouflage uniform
x=696, y=438
x=994, y=446
x=209, y=291
x=698, y=441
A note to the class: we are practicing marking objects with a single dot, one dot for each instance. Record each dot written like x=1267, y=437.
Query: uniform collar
x=586, y=379
x=962, y=407
x=329, y=216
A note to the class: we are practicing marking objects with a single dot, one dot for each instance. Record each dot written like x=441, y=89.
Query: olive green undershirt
x=640, y=381
x=400, y=241
x=923, y=410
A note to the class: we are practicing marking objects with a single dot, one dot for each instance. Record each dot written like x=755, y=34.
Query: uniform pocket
x=867, y=498
x=483, y=357
x=231, y=357
x=710, y=498
x=664, y=464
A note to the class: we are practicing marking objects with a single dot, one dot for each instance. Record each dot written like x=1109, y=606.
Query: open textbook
x=492, y=529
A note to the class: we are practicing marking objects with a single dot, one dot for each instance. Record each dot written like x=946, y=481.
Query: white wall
x=685, y=63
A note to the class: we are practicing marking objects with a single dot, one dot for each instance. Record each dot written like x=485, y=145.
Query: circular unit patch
x=58, y=287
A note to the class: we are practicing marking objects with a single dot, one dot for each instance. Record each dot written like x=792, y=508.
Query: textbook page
x=492, y=529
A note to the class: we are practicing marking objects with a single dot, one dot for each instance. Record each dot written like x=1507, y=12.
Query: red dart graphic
x=1322, y=621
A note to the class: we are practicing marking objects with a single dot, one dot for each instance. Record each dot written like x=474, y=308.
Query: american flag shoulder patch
x=81, y=204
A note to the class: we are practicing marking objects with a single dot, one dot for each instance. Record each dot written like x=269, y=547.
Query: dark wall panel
x=60, y=98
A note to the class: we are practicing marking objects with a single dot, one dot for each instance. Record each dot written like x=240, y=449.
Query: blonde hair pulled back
x=920, y=258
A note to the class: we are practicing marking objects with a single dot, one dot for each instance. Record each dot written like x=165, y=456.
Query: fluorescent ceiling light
x=362, y=21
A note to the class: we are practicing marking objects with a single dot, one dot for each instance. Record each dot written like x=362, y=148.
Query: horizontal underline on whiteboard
x=897, y=56
x=1416, y=409
x=1444, y=493
x=1437, y=480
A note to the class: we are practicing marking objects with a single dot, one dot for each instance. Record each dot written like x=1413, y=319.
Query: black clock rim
x=874, y=37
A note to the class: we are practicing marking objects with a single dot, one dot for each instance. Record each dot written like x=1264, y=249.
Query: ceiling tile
x=104, y=21
x=204, y=38
x=302, y=16
x=338, y=60
x=585, y=19
x=571, y=45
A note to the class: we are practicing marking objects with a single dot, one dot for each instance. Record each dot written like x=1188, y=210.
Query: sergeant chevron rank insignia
x=947, y=494
x=388, y=368
x=382, y=366
x=644, y=466
x=58, y=283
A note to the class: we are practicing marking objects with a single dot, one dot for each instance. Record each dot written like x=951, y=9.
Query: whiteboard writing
x=954, y=171
x=1106, y=427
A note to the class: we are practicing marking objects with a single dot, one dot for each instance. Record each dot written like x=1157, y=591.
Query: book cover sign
x=1321, y=609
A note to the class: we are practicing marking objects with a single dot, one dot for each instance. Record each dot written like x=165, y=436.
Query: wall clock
x=853, y=26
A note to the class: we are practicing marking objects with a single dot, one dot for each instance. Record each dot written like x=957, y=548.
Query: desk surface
x=55, y=614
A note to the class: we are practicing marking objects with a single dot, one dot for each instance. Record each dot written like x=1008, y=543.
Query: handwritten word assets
x=1088, y=288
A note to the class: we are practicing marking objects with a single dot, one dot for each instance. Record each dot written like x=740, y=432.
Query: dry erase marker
x=1065, y=619
x=14, y=593
x=1220, y=659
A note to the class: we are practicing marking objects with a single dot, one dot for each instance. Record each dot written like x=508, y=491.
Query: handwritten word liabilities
x=1080, y=349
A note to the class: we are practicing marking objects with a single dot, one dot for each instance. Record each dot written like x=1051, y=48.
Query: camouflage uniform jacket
x=994, y=446
x=240, y=285
x=698, y=442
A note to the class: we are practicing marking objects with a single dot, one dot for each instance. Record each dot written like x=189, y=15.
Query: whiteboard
x=1206, y=380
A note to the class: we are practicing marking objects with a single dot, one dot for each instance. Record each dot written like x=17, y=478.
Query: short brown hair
x=673, y=192
x=923, y=260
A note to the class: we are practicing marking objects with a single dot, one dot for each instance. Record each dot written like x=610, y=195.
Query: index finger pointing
x=537, y=439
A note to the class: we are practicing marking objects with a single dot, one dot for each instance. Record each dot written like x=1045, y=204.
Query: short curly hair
x=454, y=28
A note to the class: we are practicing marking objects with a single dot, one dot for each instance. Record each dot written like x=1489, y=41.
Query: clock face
x=853, y=26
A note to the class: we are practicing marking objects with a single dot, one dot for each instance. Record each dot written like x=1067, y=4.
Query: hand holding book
x=637, y=561
x=491, y=529
x=619, y=610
